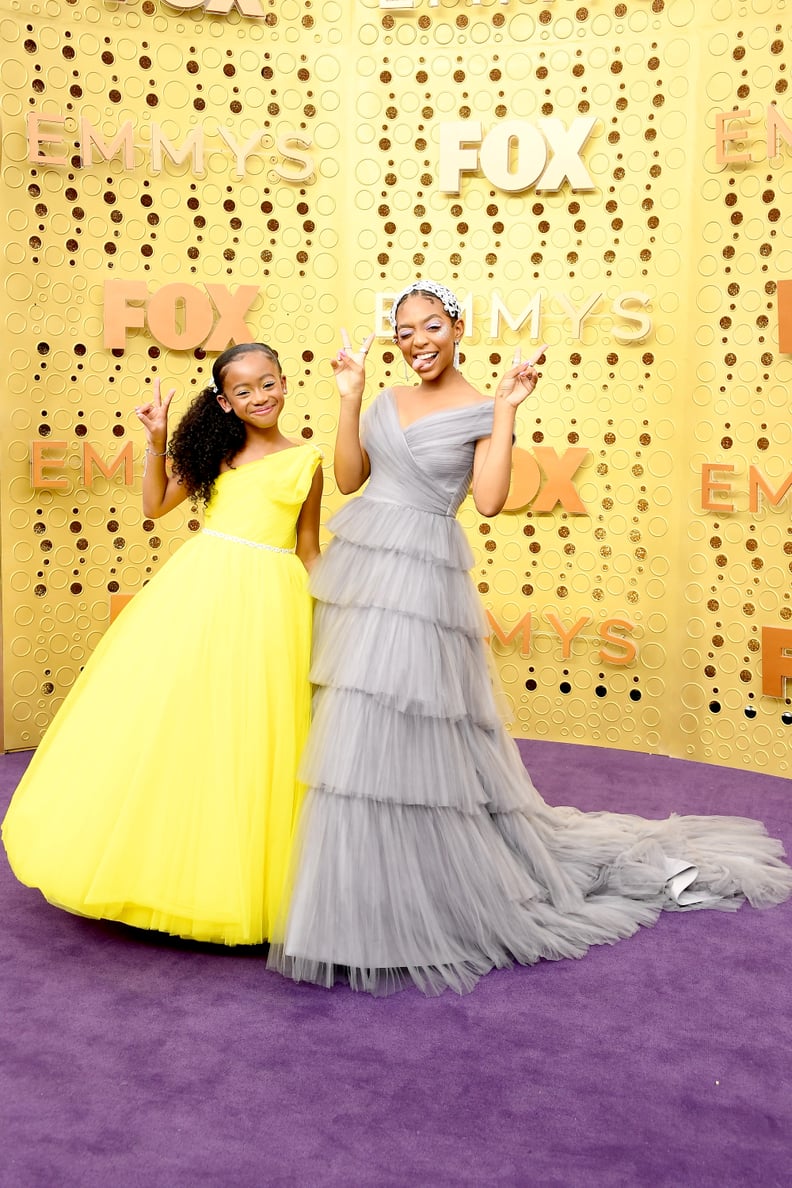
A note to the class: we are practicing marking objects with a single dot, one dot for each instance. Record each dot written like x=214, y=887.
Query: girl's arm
x=161, y=491
x=493, y=457
x=351, y=464
x=308, y=522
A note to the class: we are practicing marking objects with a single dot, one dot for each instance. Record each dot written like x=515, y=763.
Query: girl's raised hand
x=349, y=367
x=521, y=378
x=154, y=415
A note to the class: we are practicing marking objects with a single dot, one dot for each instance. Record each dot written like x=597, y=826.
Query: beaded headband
x=444, y=295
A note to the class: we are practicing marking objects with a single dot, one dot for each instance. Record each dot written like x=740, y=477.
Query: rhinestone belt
x=252, y=544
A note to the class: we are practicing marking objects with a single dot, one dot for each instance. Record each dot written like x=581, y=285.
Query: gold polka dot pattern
x=632, y=620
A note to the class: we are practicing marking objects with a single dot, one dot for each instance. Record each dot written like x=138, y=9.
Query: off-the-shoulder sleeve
x=485, y=415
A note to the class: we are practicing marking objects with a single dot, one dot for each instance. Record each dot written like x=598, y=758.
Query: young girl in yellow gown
x=164, y=792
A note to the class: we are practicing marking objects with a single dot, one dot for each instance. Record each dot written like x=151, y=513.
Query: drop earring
x=456, y=354
x=406, y=370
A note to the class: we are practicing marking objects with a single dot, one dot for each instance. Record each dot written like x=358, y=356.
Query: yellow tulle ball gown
x=165, y=791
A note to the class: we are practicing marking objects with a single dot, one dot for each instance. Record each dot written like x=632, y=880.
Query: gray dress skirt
x=424, y=853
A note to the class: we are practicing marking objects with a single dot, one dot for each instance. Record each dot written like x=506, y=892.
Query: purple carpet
x=132, y=1060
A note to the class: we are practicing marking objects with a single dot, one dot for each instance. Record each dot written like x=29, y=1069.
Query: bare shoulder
x=465, y=393
x=475, y=397
x=289, y=443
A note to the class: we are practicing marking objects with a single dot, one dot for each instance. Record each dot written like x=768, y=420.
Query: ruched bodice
x=429, y=464
x=261, y=500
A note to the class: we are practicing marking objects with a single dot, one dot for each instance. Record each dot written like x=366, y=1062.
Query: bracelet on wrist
x=155, y=454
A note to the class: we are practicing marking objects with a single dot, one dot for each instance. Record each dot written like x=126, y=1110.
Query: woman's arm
x=351, y=464
x=492, y=462
x=493, y=457
x=161, y=491
x=308, y=522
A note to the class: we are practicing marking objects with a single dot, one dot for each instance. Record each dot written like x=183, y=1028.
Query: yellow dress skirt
x=165, y=791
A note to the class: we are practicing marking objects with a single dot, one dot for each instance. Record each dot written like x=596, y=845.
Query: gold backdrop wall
x=612, y=180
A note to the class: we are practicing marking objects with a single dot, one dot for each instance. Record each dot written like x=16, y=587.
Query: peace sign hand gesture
x=521, y=378
x=154, y=417
x=349, y=367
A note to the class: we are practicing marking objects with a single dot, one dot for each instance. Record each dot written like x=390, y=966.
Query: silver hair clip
x=444, y=295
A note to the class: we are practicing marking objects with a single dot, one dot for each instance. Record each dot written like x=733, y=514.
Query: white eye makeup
x=431, y=327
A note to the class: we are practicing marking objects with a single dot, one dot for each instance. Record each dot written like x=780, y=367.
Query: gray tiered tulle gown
x=424, y=852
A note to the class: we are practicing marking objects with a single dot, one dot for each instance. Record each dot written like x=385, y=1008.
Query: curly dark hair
x=207, y=436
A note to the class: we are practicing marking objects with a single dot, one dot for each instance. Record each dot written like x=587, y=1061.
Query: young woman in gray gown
x=424, y=852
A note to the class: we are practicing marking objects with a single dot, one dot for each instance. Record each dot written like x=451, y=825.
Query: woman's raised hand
x=349, y=367
x=521, y=378
x=154, y=416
